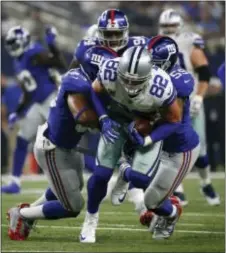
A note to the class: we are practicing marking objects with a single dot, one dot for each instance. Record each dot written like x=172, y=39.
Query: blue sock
x=97, y=187
x=19, y=156
x=53, y=210
x=50, y=195
x=202, y=162
x=165, y=209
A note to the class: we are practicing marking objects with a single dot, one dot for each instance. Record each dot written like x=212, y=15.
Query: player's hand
x=12, y=119
x=195, y=106
x=50, y=35
x=109, y=130
x=134, y=136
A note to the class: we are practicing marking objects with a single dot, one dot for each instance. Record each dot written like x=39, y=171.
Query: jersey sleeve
x=74, y=82
x=198, y=41
x=106, y=76
x=182, y=81
x=162, y=89
x=81, y=48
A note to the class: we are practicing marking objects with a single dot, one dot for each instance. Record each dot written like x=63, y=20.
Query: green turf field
x=200, y=229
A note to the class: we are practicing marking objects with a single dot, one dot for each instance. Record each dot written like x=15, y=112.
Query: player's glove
x=12, y=119
x=109, y=129
x=51, y=35
x=195, y=106
x=136, y=137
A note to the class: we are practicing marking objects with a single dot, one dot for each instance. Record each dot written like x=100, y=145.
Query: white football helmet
x=17, y=41
x=170, y=22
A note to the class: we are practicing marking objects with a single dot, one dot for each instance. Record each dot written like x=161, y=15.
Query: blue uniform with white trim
x=36, y=78
x=62, y=129
x=185, y=138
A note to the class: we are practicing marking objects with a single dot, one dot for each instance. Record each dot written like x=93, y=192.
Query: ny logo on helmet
x=171, y=48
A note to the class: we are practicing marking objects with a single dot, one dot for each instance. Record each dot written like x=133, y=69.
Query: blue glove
x=108, y=130
x=136, y=137
x=51, y=34
x=12, y=119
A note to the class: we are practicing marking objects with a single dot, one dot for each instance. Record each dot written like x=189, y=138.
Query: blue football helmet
x=17, y=41
x=113, y=29
x=94, y=58
x=163, y=51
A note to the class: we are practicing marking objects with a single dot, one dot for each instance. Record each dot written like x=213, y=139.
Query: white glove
x=195, y=106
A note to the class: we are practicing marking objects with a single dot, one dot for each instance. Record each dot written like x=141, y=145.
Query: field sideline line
x=128, y=229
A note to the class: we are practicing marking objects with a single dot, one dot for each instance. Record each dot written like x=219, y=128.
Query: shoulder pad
x=35, y=48
x=75, y=81
x=82, y=46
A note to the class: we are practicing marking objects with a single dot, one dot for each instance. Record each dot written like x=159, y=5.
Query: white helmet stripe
x=135, y=60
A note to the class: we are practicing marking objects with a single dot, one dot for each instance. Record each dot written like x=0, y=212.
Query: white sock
x=174, y=212
x=33, y=213
x=39, y=201
x=180, y=188
x=16, y=180
x=136, y=196
x=205, y=175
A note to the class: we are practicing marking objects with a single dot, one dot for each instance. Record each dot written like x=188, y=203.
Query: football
x=143, y=126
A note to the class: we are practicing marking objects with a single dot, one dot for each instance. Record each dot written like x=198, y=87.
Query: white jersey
x=159, y=91
x=186, y=41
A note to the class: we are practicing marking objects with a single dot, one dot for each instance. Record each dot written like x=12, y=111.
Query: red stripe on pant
x=60, y=182
x=57, y=180
x=184, y=163
x=54, y=179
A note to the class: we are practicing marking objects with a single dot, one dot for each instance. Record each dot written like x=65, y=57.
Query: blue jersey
x=36, y=78
x=85, y=44
x=11, y=97
x=62, y=129
x=221, y=74
x=185, y=138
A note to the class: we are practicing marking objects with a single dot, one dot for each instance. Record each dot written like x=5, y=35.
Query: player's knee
x=202, y=162
x=102, y=174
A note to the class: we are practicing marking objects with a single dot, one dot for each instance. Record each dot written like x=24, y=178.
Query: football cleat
x=19, y=227
x=120, y=189
x=210, y=195
x=88, y=233
x=182, y=198
x=165, y=226
x=149, y=219
x=11, y=188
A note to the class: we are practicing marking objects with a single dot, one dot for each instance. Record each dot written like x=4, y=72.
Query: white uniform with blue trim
x=159, y=91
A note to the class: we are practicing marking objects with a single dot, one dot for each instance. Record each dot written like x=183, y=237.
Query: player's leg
x=202, y=162
x=106, y=160
x=28, y=129
x=171, y=171
x=63, y=169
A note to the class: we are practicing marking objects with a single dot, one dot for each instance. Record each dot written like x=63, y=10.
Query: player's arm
x=53, y=58
x=4, y=116
x=81, y=111
x=201, y=66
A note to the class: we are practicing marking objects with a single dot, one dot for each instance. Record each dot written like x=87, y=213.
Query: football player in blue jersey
x=71, y=116
x=112, y=32
x=33, y=66
x=179, y=152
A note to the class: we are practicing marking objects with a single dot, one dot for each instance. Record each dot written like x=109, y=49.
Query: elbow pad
x=203, y=73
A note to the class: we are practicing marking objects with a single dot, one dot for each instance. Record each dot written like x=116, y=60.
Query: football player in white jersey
x=132, y=87
x=193, y=59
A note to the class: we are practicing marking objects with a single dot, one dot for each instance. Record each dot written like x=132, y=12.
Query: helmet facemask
x=169, y=29
x=115, y=39
x=133, y=84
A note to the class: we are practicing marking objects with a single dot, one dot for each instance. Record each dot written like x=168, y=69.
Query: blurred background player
x=192, y=58
x=32, y=63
